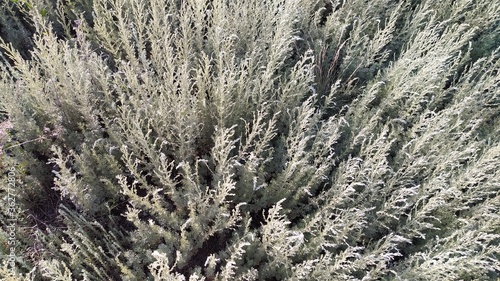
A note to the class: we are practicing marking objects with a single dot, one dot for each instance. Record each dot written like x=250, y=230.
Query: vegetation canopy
x=249, y=140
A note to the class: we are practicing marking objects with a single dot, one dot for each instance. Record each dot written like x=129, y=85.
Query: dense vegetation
x=250, y=140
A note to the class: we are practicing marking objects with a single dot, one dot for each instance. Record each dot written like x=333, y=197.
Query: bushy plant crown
x=251, y=140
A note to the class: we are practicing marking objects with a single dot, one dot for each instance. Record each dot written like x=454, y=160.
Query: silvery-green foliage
x=253, y=140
